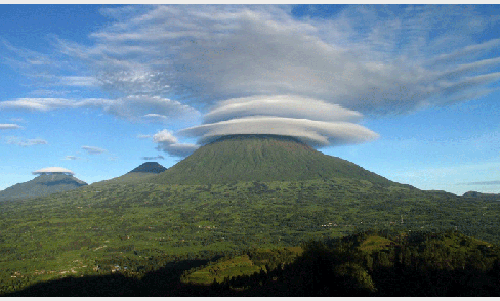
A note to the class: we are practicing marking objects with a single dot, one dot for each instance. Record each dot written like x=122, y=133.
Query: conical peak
x=151, y=167
x=260, y=158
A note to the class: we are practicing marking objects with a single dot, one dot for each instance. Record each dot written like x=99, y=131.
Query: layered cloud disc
x=314, y=133
x=53, y=170
x=288, y=106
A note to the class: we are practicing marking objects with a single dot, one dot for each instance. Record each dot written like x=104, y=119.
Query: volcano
x=138, y=174
x=42, y=185
x=149, y=167
x=261, y=158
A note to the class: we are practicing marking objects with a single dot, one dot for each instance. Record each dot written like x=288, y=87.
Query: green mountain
x=149, y=167
x=136, y=175
x=41, y=186
x=261, y=158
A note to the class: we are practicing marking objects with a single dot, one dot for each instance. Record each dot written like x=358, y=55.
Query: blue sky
x=408, y=92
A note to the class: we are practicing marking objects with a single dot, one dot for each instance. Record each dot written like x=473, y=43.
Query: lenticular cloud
x=264, y=70
x=312, y=121
x=315, y=133
x=260, y=70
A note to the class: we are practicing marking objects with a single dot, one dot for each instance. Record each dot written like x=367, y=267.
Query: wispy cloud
x=71, y=158
x=153, y=158
x=25, y=142
x=93, y=150
x=132, y=107
x=9, y=126
x=483, y=183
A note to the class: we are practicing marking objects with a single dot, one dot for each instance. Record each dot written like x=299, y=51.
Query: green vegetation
x=261, y=158
x=137, y=175
x=149, y=167
x=412, y=264
x=96, y=229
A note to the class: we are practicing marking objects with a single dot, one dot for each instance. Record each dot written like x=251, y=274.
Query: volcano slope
x=265, y=158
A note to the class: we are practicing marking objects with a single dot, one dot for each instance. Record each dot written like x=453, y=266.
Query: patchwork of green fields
x=133, y=228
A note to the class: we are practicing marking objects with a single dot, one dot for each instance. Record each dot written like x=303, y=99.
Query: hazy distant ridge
x=41, y=186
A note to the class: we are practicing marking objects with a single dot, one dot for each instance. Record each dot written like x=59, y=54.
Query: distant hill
x=41, y=186
x=481, y=195
x=138, y=174
x=261, y=158
x=149, y=167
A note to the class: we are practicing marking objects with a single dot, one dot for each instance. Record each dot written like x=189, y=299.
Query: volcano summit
x=261, y=158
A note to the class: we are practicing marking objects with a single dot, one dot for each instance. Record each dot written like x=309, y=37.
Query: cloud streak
x=132, y=107
x=25, y=142
x=483, y=183
x=71, y=158
x=153, y=158
x=9, y=126
x=93, y=150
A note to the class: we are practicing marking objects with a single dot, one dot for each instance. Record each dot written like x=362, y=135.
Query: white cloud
x=71, y=158
x=260, y=61
x=494, y=182
x=320, y=76
x=134, y=107
x=153, y=158
x=93, y=150
x=84, y=81
x=9, y=126
x=165, y=136
x=53, y=170
x=289, y=106
x=154, y=117
x=168, y=143
x=316, y=133
x=25, y=142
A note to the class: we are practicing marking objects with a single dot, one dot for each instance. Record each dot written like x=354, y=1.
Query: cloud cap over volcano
x=314, y=133
x=265, y=70
x=53, y=170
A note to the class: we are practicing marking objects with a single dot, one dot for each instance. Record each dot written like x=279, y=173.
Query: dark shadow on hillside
x=162, y=282
x=315, y=274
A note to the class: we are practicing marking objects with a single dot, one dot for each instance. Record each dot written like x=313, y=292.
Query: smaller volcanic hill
x=149, y=167
x=261, y=158
x=42, y=185
x=140, y=173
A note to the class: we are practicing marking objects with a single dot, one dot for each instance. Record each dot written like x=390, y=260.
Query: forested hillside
x=98, y=228
x=370, y=263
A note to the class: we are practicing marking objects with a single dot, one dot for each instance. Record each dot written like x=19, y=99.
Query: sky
x=408, y=92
